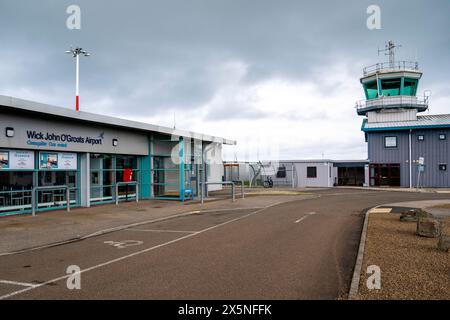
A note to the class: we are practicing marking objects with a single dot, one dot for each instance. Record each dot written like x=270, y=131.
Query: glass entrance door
x=106, y=171
x=385, y=174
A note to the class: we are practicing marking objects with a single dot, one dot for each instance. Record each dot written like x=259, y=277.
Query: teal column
x=181, y=156
x=78, y=180
x=379, y=88
x=145, y=172
x=402, y=86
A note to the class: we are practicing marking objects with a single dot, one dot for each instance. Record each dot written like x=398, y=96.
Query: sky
x=279, y=77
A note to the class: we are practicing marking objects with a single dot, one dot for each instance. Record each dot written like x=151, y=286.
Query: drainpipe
x=410, y=160
x=292, y=174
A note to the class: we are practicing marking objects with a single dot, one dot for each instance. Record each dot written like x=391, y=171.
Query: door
x=158, y=176
x=385, y=174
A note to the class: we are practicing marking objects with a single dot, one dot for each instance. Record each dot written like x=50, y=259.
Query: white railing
x=395, y=66
x=204, y=189
x=130, y=183
x=386, y=102
x=60, y=187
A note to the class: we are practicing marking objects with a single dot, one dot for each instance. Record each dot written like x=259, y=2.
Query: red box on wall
x=127, y=175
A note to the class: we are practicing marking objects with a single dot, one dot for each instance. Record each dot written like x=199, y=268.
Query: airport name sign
x=52, y=138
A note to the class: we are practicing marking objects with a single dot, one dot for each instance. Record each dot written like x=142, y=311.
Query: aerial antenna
x=389, y=50
x=174, y=121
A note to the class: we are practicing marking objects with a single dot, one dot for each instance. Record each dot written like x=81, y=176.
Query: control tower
x=405, y=146
x=390, y=89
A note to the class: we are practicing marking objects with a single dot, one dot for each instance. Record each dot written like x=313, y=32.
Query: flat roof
x=16, y=104
x=436, y=121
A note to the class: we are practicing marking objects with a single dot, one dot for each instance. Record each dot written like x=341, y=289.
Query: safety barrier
x=33, y=196
x=232, y=183
x=124, y=184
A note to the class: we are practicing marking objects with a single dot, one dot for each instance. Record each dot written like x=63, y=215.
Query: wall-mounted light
x=9, y=132
x=115, y=142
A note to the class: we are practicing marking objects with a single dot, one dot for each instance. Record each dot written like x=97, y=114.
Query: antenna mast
x=390, y=51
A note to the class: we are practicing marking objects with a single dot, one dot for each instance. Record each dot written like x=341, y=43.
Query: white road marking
x=154, y=230
x=124, y=243
x=381, y=210
x=227, y=209
x=305, y=216
x=139, y=252
x=15, y=283
x=349, y=193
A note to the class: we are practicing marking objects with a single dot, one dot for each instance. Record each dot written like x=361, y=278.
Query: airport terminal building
x=48, y=149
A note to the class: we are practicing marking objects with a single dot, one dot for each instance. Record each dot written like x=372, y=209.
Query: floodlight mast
x=76, y=54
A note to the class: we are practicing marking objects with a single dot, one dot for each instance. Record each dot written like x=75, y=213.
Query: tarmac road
x=302, y=249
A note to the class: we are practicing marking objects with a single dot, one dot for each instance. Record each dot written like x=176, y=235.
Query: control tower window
x=372, y=90
x=410, y=87
x=390, y=87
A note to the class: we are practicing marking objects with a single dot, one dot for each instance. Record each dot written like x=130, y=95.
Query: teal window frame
x=114, y=170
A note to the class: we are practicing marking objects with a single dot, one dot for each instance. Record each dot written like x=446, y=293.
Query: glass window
x=421, y=137
x=281, y=173
x=410, y=87
x=442, y=136
x=372, y=90
x=311, y=172
x=390, y=87
x=15, y=190
x=443, y=167
x=390, y=142
x=56, y=198
x=126, y=162
x=16, y=180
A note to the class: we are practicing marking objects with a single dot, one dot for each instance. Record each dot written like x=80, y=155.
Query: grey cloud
x=151, y=56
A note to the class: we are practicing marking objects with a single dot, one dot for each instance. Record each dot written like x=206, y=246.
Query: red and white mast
x=76, y=54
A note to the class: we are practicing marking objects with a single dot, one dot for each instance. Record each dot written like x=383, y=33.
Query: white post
x=410, y=160
x=292, y=177
x=77, y=83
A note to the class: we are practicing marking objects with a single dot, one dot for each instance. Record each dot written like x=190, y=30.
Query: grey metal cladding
x=379, y=154
x=129, y=142
x=433, y=150
x=425, y=120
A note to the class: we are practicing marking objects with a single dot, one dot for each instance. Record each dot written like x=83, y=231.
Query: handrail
x=242, y=186
x=124, y=184
x=395, y=66
x=203, y=184
x=392, y=100
x=33, y=196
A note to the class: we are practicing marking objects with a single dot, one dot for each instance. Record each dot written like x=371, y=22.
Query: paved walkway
x=435, y=207
x=25, y=231
x=422, y=190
